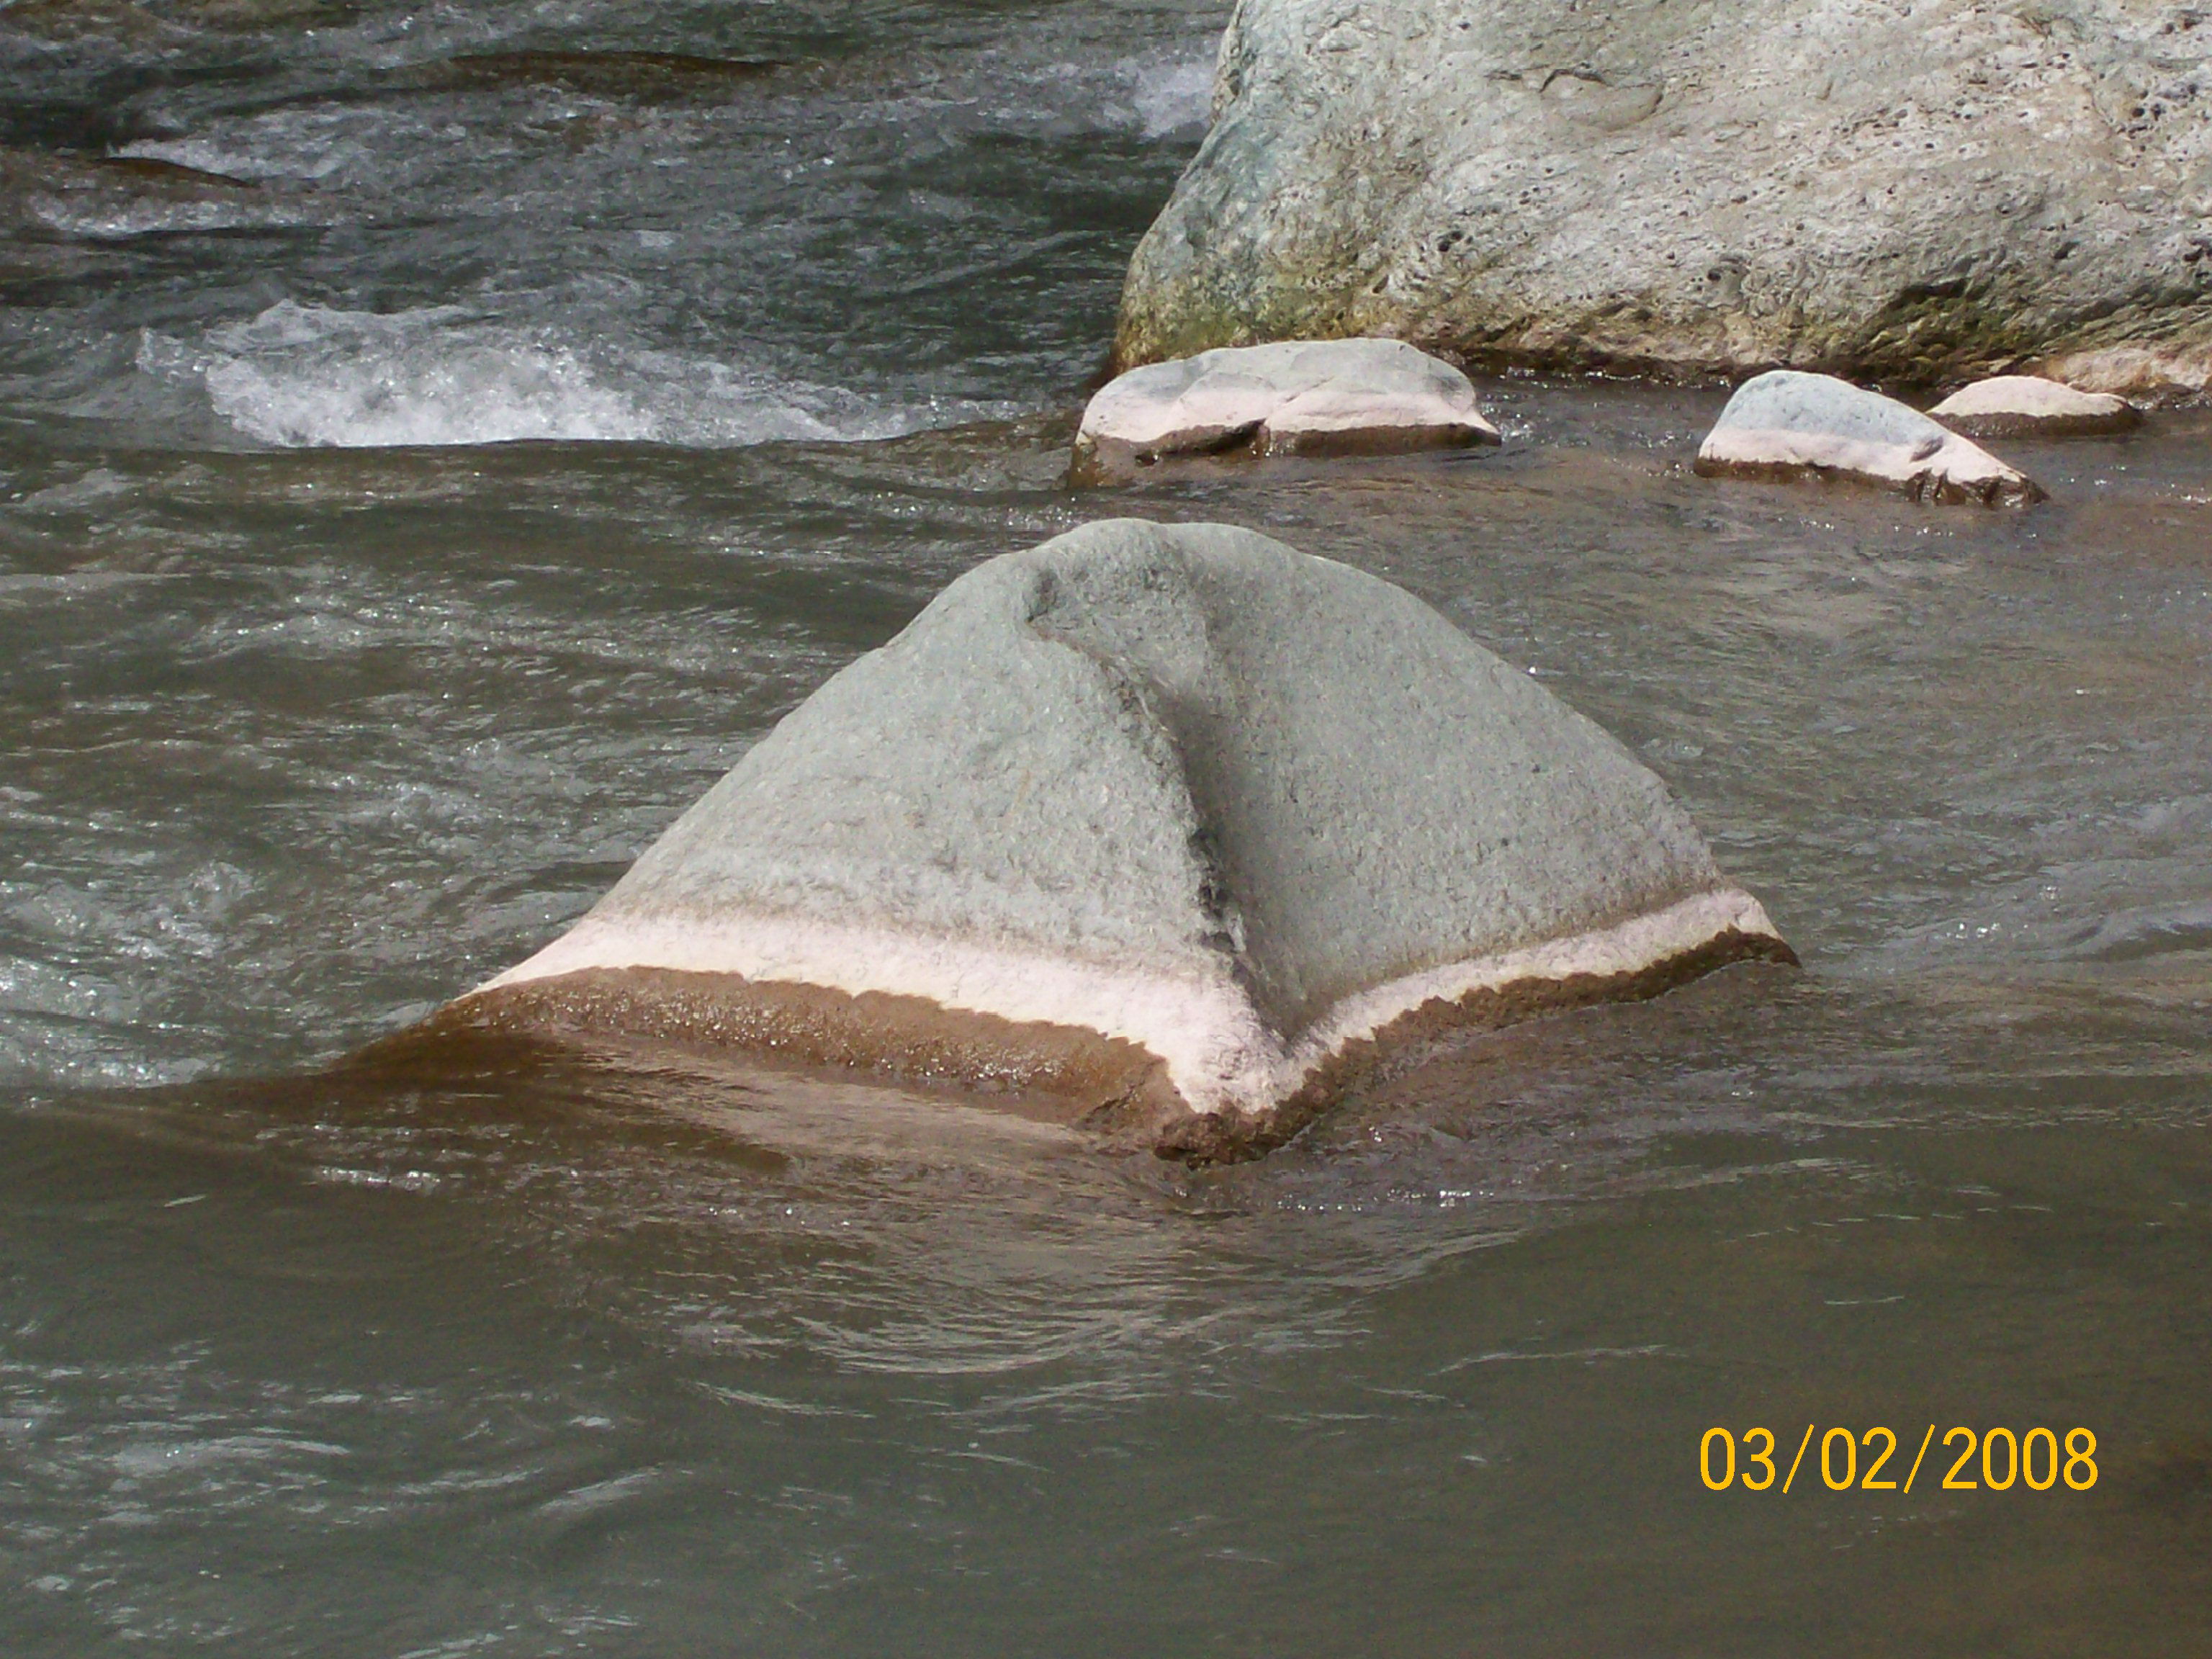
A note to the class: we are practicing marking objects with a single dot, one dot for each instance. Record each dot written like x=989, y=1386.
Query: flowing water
x=435, y=444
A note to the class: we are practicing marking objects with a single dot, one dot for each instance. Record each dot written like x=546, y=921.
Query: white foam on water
x=114, y=220
x=302, y=376
x=1174, y=95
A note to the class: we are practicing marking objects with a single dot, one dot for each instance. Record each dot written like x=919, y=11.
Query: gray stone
x=1911, y=193
x=1170, y=821
x=107, y=197
x=1296, y=398
x=2029, y=406
x=1784, y=424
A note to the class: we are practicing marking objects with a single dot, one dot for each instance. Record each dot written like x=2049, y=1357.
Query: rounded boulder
x=1171, y=826
x=1787, y=425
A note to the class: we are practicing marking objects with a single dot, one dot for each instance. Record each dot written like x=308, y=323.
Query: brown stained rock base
x=2080, y=426
x=1925, y=486
x=1112, y=1090
x=2029, y=406
x=1213, y=1138
x=1099, y=461
x=909, y=1039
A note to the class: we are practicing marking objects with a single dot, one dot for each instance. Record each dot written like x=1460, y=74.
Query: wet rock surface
x=50, y=198
x=1172, y=820
x=1301, y=397
x=2029, y=406
x=1754, y=183
x=1787, y=425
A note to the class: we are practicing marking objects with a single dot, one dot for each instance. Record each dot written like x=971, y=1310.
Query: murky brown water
x=644, y=1352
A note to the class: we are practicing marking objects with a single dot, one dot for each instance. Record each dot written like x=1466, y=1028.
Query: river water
x=429, y=456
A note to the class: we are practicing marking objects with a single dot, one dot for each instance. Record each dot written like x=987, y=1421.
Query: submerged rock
x=115, y=197
x=2029, y=406
x=1788, y=425
x=645, y=75
x=1909, y=193
x=1170, y=821
x=1301, y=396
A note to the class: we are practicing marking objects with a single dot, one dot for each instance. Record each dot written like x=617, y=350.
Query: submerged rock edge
x=1179, y=1062
x=1959, y=472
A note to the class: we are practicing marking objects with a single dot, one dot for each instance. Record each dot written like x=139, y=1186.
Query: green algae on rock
x=1172, y=822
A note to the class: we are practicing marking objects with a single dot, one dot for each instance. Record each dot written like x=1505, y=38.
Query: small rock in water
x=2029, y=406
x=1298, y=397
x=1172, y=823
x=114, y=197
x=1788, y=425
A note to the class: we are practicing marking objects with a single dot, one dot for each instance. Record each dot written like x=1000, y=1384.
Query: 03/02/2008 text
x=2033, y=1460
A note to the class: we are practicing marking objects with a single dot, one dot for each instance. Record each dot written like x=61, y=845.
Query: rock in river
x=2029, y=406
x=1915, y=193
x=1300, y=397
x=1788, y=425
x=1171, y=822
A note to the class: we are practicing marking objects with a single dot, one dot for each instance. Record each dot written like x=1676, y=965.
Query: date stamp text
x=1972, y=1460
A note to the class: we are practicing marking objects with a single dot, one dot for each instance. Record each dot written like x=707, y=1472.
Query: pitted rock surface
x=1911, y=194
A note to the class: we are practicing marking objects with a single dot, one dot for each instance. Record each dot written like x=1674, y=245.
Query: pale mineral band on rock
x=1959, y=472
x=1217, y=1054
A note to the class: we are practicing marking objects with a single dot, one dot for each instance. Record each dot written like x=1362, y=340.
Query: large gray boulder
x=1785, y=424
x=1918, y=193
x=1170, y=823
x=1292, y=397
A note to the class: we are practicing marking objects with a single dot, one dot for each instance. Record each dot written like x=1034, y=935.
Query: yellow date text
x=1868, y=1460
